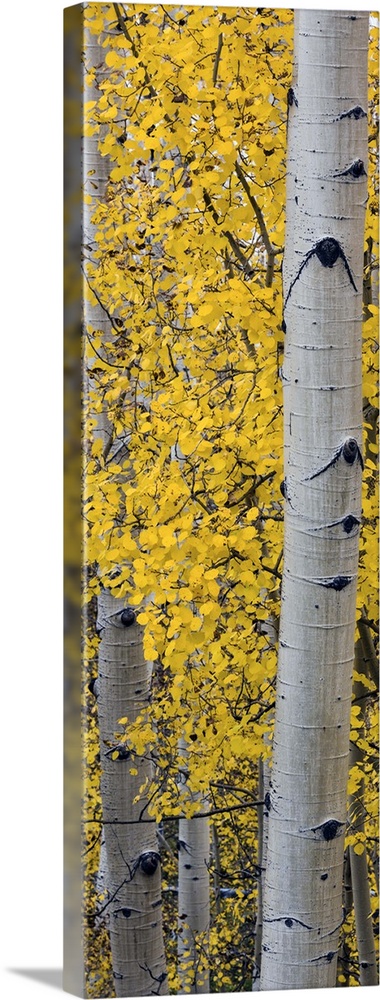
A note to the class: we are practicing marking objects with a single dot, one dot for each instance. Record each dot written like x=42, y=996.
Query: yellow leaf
x=359, y=848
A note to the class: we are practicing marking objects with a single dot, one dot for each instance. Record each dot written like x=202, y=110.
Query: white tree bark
x=269, y=628
x=133, y=861
x=193, y=897
x=327, y=157
x=262, y=834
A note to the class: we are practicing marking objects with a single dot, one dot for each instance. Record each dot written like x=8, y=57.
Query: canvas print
x=221, y=812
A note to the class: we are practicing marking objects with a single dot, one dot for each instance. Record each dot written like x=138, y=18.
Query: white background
x=31, y=498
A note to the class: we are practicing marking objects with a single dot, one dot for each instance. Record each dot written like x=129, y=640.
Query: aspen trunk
x=344, y=953
x=262, y=834
x=133, y=861
x=193, y=898
x=326, y=195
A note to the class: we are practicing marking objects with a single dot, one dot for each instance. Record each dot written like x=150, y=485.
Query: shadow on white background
x=50, y=977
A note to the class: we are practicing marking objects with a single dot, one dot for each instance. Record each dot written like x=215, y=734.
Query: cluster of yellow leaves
x=183, y=512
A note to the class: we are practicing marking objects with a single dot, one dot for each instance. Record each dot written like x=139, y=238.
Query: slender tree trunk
x=368, y=653
x=262, y=836
x=193, y=898
x=133, y=861
x=270, y=628
x=327, y=156
x=344, y=954
x=216, y=860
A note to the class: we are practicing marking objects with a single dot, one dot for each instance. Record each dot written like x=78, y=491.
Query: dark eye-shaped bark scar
x=348, y=522
x=349, y=450
x=325, y=958
x=356, y=169
x=148, y=862
x=327, y=251
x=327, y=831
x=288, y=921
x=334, y=582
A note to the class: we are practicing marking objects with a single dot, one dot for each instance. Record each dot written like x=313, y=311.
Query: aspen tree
x=326, y=197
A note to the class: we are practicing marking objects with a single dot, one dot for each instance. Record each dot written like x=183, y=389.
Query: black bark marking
x=122, y=752
x=182, y=846
x=121, y=619
x=292, y=99
x=127, y=617
x=327, y=251
x=335, y=582
x=148, y=862
x=349, y=450
x=356, y=169
x=328, y=830
x=288, y=921
x=93, y=687
x=324, y=877
x=325, y=958
x=156, y=979
x=356, y=113
x=124, y=910
x=267, y=801
x=349, y=523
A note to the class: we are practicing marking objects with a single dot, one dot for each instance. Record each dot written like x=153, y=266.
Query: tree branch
x=217, y=59
x=270, y=249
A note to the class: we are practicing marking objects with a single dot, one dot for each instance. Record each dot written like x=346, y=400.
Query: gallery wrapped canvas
x=221, y=580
